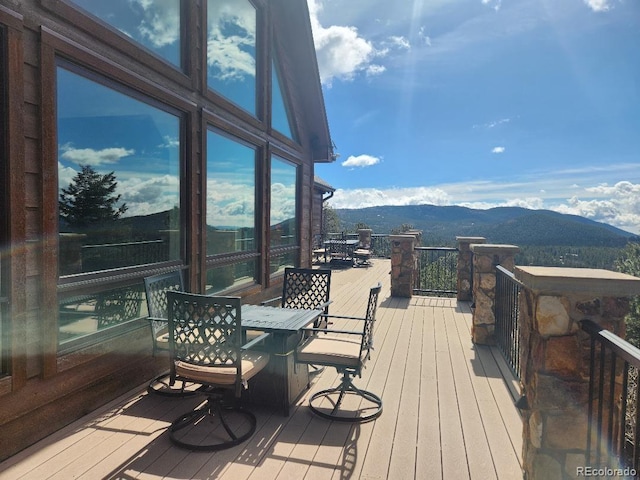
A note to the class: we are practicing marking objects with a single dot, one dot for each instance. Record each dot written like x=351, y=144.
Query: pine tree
x=89, y=199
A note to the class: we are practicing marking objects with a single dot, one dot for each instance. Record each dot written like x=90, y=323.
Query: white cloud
x=231, y=53
x=90, y=156
x=598, y=5
x=498, y=150
x=361, y=161
x=341, y=52
x=161, y=24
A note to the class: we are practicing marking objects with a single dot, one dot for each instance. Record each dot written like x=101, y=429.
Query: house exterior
x=139, y=137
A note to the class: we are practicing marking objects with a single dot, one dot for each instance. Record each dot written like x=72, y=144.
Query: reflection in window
x=230, y=276
x=284, y=230
x=118, y=178
x=4, y=354
x=280, y=261
x=153, y=23
x=231, y=51
x=279, y=113
x=231, y=195
x=86, y=314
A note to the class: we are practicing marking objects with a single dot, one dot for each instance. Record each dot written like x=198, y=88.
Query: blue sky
x=482, y=103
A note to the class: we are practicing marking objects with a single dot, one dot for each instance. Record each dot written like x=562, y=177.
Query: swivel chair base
x=370, y=410
x=212, y=426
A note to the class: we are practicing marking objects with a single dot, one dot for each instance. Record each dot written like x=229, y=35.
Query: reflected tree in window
x=118, y=177
x=231, y=51
x=90, y=200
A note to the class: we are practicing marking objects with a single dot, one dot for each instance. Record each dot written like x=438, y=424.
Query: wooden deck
x=448, y=413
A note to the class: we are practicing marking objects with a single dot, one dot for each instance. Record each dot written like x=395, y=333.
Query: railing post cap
x=491, y=248
x=471, y=240
x=578, y=280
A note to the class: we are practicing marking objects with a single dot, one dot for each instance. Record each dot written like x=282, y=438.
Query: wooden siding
x=447, y=413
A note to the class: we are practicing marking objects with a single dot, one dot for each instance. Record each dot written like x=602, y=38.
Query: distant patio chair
x=156, y=288
x=346, y=351
x=205, y=342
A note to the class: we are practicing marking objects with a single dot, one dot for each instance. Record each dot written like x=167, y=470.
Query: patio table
x=341, y=250
x=282, y=381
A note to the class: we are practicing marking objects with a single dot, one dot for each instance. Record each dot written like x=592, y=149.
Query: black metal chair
x=156, y=288
x=348, y=352
x=205, y=342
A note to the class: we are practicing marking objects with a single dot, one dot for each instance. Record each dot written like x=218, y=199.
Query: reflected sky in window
x=283, y=202
x=231, y=183
x=279, y=114
x=112, y=132
x=231, y=51
x=153, y=23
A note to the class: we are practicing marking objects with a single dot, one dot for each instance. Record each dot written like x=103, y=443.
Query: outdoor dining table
x=282, y=381
x=341, y=250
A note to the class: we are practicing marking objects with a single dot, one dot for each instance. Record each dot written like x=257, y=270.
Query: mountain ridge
x=514, y=225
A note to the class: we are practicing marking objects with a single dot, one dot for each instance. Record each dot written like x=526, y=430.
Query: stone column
x=464, y=268
x=404, y=263
x=554, y=355
x=364, y=237
x=485, y=258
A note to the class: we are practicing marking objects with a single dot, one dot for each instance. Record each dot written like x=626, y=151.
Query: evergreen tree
x=90, y=200
x=629, y=262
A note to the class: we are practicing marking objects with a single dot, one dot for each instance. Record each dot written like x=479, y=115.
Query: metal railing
x=437, y=271
x=613, y=426
x=115, y=255
x=507, y=315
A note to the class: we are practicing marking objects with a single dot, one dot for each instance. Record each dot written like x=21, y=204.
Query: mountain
x=511, y=225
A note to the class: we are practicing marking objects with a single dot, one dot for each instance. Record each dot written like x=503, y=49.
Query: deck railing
x=613, y=426
x=507, y=317
x=437, y=271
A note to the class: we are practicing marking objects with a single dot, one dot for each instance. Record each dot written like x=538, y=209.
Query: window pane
x=118, y=178
x=231, y=51
x=231, y=195
x=283, y=260
x=228, y=276
x=284, y=230
x=279, y=113
x=153, y=23
x=86, y=314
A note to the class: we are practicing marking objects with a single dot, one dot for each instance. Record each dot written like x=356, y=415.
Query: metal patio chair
x=205, y=342
x=347, y=351
x=156, y=288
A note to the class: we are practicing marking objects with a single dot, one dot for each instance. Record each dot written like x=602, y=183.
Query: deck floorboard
x=448, y=413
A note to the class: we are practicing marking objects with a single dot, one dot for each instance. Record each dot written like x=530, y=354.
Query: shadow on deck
x=447, y=413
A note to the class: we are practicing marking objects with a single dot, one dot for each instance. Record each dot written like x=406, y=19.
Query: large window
x=119, y=195
x=230, y=211
x=153, y=23
x=283, y=214
x=231, y=51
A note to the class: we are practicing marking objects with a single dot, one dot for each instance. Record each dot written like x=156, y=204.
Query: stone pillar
x=464, y=268
x=364, y=237
x=485, y=258
x=554, y=355
x=404, y=263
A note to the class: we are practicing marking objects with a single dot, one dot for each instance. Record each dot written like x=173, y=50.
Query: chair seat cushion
x=327, y=350
x=362, y=252
x=252, y=363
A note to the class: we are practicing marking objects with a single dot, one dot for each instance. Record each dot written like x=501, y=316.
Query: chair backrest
x=156, y=288
x=205, y=331
x=306, y=288
x=367, y=333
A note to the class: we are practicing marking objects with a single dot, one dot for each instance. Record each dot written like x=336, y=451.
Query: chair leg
x=197, y=430
x=161, y=386
x=373, y=402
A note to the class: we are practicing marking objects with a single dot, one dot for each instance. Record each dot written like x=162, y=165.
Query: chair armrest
x=271, y=300
x=325, y=330
x=342, y=317
x=158, y=319
x=255, y=341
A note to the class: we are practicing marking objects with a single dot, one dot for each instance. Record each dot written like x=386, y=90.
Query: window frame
x=296, y=249
x=220, y=126
x=57, y=50
x=107, y=34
